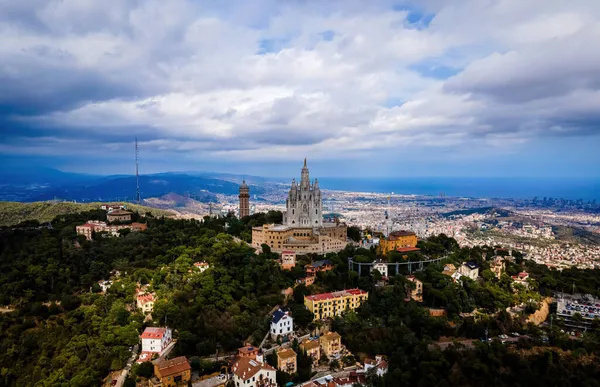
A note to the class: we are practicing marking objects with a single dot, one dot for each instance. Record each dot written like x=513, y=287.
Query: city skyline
x=377, y=89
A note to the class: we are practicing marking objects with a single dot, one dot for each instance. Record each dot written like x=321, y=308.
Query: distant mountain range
x=50, y=184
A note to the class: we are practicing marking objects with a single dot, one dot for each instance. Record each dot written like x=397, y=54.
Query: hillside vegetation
x=12, y=213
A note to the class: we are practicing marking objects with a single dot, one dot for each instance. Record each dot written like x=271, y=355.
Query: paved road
x=212, y=382
x=469, y=342
x=134, y=355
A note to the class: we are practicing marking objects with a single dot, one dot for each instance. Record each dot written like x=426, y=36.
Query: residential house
x=332, y=304
x=145, y=302
x=380, y=266
x=317, y=266
x=282, y=324
x=171, y=373
x=469, y=269
x=331, y=344
x=93, y=226
x=253, y=373
x=380, y=364
x=113, y=206
x=415, y=293
x=522, y=278
x=449, y=269
x=249, y=351
x=286, y=360
x=307, y=281
x=104, y=285
x=288, y=259
x=201, y=266
x=312, y=349
x=155, y=340
x=497, y=266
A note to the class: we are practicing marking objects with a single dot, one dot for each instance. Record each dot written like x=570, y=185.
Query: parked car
x=515, y=334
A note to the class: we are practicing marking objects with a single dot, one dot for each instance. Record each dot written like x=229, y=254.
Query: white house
x=469, y=269
x=202, y=266
x=253, y=372
x=381, y=267
x=379, y=364
x=155, y=340
x=282, y=324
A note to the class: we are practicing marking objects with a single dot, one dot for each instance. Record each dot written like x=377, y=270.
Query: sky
x=380, y=88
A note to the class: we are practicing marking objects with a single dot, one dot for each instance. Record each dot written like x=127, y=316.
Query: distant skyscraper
x=244, y=200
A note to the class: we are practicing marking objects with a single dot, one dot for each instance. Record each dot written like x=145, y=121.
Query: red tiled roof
x=154, y=333
x=173, y=366
x=245, y=368
x=119, y=212
x=341, y=293
x=145, y=298
x=287, y=252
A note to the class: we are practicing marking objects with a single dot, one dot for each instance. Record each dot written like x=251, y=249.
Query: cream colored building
x=416, y=293
x=286, y=360
x=331, y=344
x=326, y=305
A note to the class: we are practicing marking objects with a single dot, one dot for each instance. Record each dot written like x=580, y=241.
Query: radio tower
x=137, y=175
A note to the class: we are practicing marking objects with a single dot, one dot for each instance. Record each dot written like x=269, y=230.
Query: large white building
x=155, y=340
x=304, y=205
x=282, y=323
x=253, y=373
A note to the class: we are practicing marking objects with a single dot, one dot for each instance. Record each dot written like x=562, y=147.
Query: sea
x=586, y=189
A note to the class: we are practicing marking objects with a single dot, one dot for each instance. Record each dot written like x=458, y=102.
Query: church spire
x=304, y=179
x=305, y=162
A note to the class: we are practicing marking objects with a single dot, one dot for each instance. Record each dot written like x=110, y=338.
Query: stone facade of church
x=303, y=230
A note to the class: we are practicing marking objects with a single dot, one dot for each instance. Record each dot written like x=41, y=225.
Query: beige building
x=329, y=238
x=118, y=216
x=303, y=229
x=93, y=226
x=331, y=344
x=145, y=302
x=288, y=259
x=286, y=361
x=312, y=349
x=497, y=266
x=416, y=293
x=332, y=304
x=397, y=239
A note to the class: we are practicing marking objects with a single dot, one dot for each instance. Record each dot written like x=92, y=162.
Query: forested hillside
x=65, y=332
x=12, y=213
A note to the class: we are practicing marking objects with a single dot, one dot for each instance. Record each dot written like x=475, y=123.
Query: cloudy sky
x=360, y=88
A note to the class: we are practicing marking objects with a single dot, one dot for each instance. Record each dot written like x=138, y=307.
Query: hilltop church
x=303, y=230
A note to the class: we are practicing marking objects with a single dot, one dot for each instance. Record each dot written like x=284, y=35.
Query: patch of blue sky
x=431, y=70
x=393, y=102
x=267, y=46
x=415, y=17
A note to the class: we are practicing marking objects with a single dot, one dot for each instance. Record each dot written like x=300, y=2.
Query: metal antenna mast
x=137, y=175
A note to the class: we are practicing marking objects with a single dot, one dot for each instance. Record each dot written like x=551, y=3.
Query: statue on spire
x=305, y=162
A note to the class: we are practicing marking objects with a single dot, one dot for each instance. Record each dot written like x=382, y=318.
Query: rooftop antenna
x=137, y=175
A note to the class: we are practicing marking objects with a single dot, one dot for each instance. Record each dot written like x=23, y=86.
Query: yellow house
x=286, y=361
x=331, y=344
x=397, y=239
x=312, y=349
x=171, y=373
x=326, y=305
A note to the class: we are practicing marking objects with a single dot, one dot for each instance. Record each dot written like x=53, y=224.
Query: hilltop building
x=497, y=266
x=398, y=239
x=333, y=304
x=469, y=269
x=244, y=197
x=93, y=226
x=118, y=216
x=380, y=266
x=303, y=229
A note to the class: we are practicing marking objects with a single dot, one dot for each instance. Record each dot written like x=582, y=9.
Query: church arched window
x=292, y=211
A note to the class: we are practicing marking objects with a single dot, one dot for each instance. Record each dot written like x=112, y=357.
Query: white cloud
x=335, y=78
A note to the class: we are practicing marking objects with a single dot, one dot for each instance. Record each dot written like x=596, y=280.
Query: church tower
x=304, y=204
x=244, y=200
